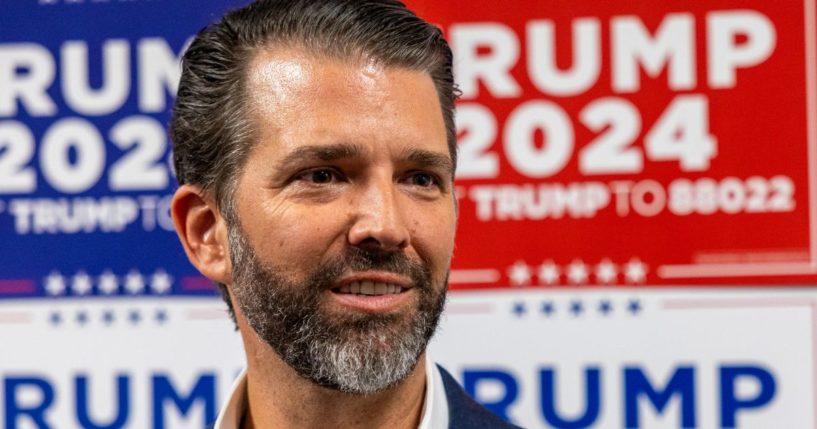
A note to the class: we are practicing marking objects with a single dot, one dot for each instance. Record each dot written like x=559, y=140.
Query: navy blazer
x=463, y=412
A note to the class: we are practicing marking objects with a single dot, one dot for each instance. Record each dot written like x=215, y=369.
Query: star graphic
x=576, y=307
x=549, y=273
x=108, y=283
x=519, y=273
x=81, y=283
x=134, y=316
x=108, y=317
x=160, y=281
x=519, y=309
x=634, y=306
x=134, y=282
x=606, y=272
x=635, y=271
x=55, y=318
x=161, y=316
x=82, y=317
x=55, y=284
x=605, y=307
x=577, y=272
x=547, y=308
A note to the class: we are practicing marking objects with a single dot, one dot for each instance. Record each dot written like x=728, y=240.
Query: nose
x=378, y=222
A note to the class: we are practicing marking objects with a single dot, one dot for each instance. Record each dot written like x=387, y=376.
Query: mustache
x=356, y=259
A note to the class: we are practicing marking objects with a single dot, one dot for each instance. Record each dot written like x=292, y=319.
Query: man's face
x=346, y=218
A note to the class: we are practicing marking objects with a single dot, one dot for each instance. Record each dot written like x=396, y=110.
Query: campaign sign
x=638, y=142
x=613, y=359
x=85, y=170
x=112, y=363
x=103, y=322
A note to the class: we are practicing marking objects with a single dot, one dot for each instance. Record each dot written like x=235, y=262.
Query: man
x=314, y=145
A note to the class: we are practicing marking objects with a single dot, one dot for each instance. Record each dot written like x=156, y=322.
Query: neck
x=278, y=397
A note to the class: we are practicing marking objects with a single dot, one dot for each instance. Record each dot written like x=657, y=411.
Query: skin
x=349, y=154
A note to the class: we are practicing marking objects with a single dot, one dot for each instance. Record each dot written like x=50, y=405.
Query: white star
x=108, y=283
x=636, y=271
x=134, y=282
x=549, y=273
x=81, y=283
x=160, y=281
x=519, y=273
x=577, y=272
x=606, y=272
x=55, y=283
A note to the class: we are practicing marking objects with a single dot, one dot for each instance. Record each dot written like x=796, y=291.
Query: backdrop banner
x=637, y=239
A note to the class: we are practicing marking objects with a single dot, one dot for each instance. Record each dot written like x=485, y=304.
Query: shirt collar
x=434, y=414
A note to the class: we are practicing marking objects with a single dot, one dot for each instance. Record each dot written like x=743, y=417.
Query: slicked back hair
x=211, y=128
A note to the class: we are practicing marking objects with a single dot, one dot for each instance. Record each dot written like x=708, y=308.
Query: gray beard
x=353, y=353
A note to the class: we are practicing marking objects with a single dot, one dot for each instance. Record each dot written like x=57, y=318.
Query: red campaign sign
x=634, y=143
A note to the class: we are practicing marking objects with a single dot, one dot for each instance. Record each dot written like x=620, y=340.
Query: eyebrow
x=335, y=152
x=429, y=159
x=332, y=152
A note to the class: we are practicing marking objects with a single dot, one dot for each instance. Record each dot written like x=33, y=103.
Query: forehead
x=298, y=98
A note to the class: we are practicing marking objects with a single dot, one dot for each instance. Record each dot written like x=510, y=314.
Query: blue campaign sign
x=637, y=390
x=86, y=88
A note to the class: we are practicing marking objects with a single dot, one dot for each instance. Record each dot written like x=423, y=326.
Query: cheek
x=433, y=236
x=295, y=240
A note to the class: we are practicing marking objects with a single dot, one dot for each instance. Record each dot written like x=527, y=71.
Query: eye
x=319, y=176
x=423, y=180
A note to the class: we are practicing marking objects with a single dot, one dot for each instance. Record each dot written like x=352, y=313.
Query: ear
x=203, y=232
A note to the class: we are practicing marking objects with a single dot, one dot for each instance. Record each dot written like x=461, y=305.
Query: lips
x=373, y=291
x=368, y=287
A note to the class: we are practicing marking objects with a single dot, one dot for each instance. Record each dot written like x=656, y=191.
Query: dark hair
x=210, y=127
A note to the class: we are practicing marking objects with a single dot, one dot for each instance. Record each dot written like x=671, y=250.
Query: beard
x=350, y=352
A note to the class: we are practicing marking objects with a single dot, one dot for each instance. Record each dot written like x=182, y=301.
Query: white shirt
x=434, y=414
